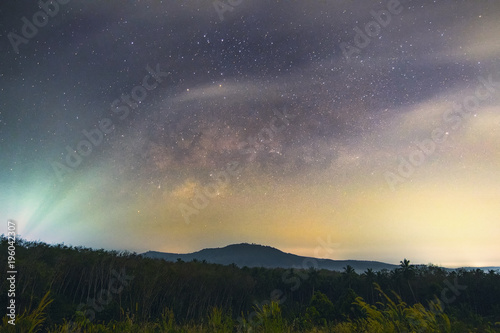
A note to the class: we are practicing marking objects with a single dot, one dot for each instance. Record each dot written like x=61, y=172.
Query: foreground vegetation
x=68, y=289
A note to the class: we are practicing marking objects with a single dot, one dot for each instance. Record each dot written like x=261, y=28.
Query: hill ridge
x=256, y=255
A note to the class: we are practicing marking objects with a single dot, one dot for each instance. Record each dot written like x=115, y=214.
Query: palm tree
x=369, y=275
x=349, y=274
x=408, y=272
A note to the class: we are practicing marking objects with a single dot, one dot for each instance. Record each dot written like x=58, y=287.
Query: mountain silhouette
x=253, y=255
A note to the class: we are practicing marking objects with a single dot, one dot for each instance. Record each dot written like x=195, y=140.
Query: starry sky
x=369, y=126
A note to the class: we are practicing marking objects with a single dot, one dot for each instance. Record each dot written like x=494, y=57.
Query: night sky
x=173, y=126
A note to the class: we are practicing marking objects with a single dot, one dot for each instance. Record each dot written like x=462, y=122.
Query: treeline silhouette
x=98, y=286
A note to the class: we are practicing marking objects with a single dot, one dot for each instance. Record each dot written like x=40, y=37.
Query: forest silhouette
x=69, y=289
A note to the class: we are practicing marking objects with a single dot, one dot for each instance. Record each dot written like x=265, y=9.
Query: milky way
x=180, y=125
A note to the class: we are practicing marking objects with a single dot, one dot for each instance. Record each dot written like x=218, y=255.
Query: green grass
x=391, y=315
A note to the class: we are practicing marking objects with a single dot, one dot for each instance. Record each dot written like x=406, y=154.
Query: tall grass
x=389, y=315
x=30, y=323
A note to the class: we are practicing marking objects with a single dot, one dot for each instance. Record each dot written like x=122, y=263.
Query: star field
x=175, y=126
